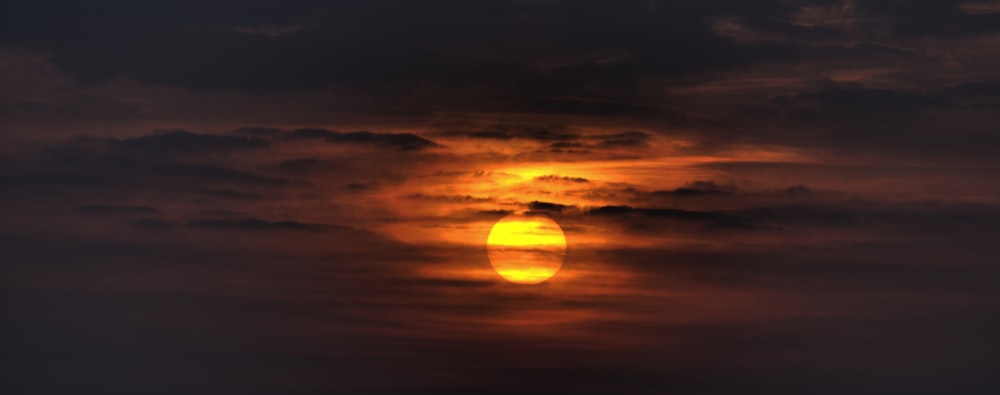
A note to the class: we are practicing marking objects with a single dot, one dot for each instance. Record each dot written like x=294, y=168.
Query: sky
x=263, y=197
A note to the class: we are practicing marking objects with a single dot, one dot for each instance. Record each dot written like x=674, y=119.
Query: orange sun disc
x=526, y=249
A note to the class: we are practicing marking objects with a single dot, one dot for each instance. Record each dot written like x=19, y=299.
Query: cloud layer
x=758, y=196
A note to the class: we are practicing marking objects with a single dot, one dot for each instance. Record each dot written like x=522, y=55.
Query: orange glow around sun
x=446, y=207
x=526, y=249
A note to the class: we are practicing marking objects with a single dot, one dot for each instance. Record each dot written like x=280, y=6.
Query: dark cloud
x=444, y=282
x=815, y=215
x=930, y=18
x=627, y=139
x=597, y=58
x=151, y=223
x=555, y=178
x=169, y=163
x=588, y=106
x=711, y=219
x=592, y=60
x=857, y=102
x=510, y=132
x=115, y=209
x=204, y=172
x=254, y=224
x=402, y=141
x=450, y=198
x=305, y=164
x=797, y=269
x=215, y=44
x=231, y=194
x=566, y=144
x=495, y=213
x=184, y=142
x=697, y=189
x=357, y=186
x=799, y=190
x=614, y=211
x=559, y=138
x=978, y=89
x=547, y=207
x=56, y=179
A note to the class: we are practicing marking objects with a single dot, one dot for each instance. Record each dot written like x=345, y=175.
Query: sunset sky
x=294, y=197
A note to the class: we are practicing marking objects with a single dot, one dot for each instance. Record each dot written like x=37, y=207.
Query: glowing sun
x=526, y=249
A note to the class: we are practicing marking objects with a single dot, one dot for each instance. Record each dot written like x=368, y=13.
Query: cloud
x=58, y=179
x=254, y=224
x=231, y=194
x=151, y=224
x=857, y=102
x=319, y=60
x=270, y=31
x=857, y=254
x=600, y=106
x=522, y=132
x=547, y=207
x=401, y=141
x=931, y=18
x=697, y=189
x=555, y=178
x=799, y=190
x=591, y=62
x=559, y=138
x=453, y=283
x=805, y=214
x=978, y=89
x=627, y=139
x=115, y=209
x=202, y=172
x=566, y=144
x=183, y=142
x=621, y=211
x=451, y=198
x=305, y=165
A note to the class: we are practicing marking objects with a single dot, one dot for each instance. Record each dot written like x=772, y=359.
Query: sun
x=526, y=249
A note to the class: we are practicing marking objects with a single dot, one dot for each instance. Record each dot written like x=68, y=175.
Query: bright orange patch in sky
x=526, y=249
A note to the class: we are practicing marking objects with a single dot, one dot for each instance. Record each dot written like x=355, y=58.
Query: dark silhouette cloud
x=402, y=141
x=624, y=139
x=799, y=190
x=305, y=164
x=56, y=179
x=555, y=178
x=509, y=132
x=639, y=218
x=231, y=194
x=602, y=41
x=196, y=172
x=255, y=224
x=444, y=282
x=151, y=223
x=115, y=209
x=559, y=137
x=978, y=89
x=856, y=102
x=450, y=198
x=184, y=142
x=696, y=189
x=547, y=207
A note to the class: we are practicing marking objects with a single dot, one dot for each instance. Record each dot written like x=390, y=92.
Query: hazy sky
x=262, y=197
